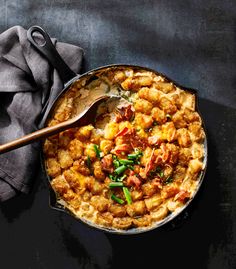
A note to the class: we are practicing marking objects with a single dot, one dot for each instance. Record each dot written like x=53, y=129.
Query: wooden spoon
x=84, y=118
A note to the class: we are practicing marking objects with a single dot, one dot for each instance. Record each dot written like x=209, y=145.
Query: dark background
x=194, y=43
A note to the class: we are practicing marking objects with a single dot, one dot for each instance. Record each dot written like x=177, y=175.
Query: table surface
x=194, y=43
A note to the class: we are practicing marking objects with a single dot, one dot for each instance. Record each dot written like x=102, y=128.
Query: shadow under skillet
x=204, y=228
x=89, y=247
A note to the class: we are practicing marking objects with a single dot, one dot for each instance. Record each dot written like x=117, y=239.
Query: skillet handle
x=49, y=51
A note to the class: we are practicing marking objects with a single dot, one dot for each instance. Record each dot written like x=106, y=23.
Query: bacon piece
x=182, y=195
x=138, y=142
x=164, y=155
x=134, y=181
x=165, y=152
x=107, y=163
x=125, y=131
x=124, y=113
x=122, y=148
x=150, y=164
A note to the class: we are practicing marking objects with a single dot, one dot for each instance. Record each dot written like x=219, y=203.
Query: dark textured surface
x=194, y=42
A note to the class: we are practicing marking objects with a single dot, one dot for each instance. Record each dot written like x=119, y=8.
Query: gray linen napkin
x=27, y=85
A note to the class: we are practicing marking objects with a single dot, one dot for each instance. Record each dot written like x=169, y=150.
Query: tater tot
x=65, y=138
x=169, y=131
x=119, y=76
x=84, y=132
x=158, y=115
x=136, y=209
x=196, y=132
x=60, y=185
x=166, y=105
x=117, y=210
x=98, y=173
x=111, y=130
x=195, y=166
x=136, y=195
x=165, y=87
x=184, y=156
x=124, y=124
x=153, y=202
x=160, y=213
x=148, y=189
x=53, y=167
x=90, y=151
x=136, y=82
x=191, y=116
x=76, y=149
x=143, y=106
x=150, y=94
x=144, y=121
x=178, y=119
x=49, y=148
x=106, y=146
x=100, y=203
x=64, y=158
x=183, y=137
x=197, y=150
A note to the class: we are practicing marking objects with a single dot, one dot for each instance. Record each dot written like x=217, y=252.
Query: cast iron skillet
x=68, y=77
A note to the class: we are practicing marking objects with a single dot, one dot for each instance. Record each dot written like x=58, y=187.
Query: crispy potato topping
x=139, y=162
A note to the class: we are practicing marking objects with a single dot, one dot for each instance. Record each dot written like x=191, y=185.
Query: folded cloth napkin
x=27, y=85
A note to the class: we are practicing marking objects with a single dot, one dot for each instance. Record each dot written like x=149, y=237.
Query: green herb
x=88, y=162
x=127, y=195
x=116, y=184
x=116, y=163
x=156, y=171
x=97, y=150
x=169, y=180
x=114, y=178
x=119, y=170
x=155, y=123
x=138, y=151
x=121, y=178
x=132, y=156
x=122, y=161
x=118, y=200
x=130, y=167
x=125, y=97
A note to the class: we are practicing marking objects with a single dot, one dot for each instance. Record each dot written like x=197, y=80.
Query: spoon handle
x=35, y=136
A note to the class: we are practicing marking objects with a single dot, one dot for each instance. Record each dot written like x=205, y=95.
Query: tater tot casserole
x=138, y=162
